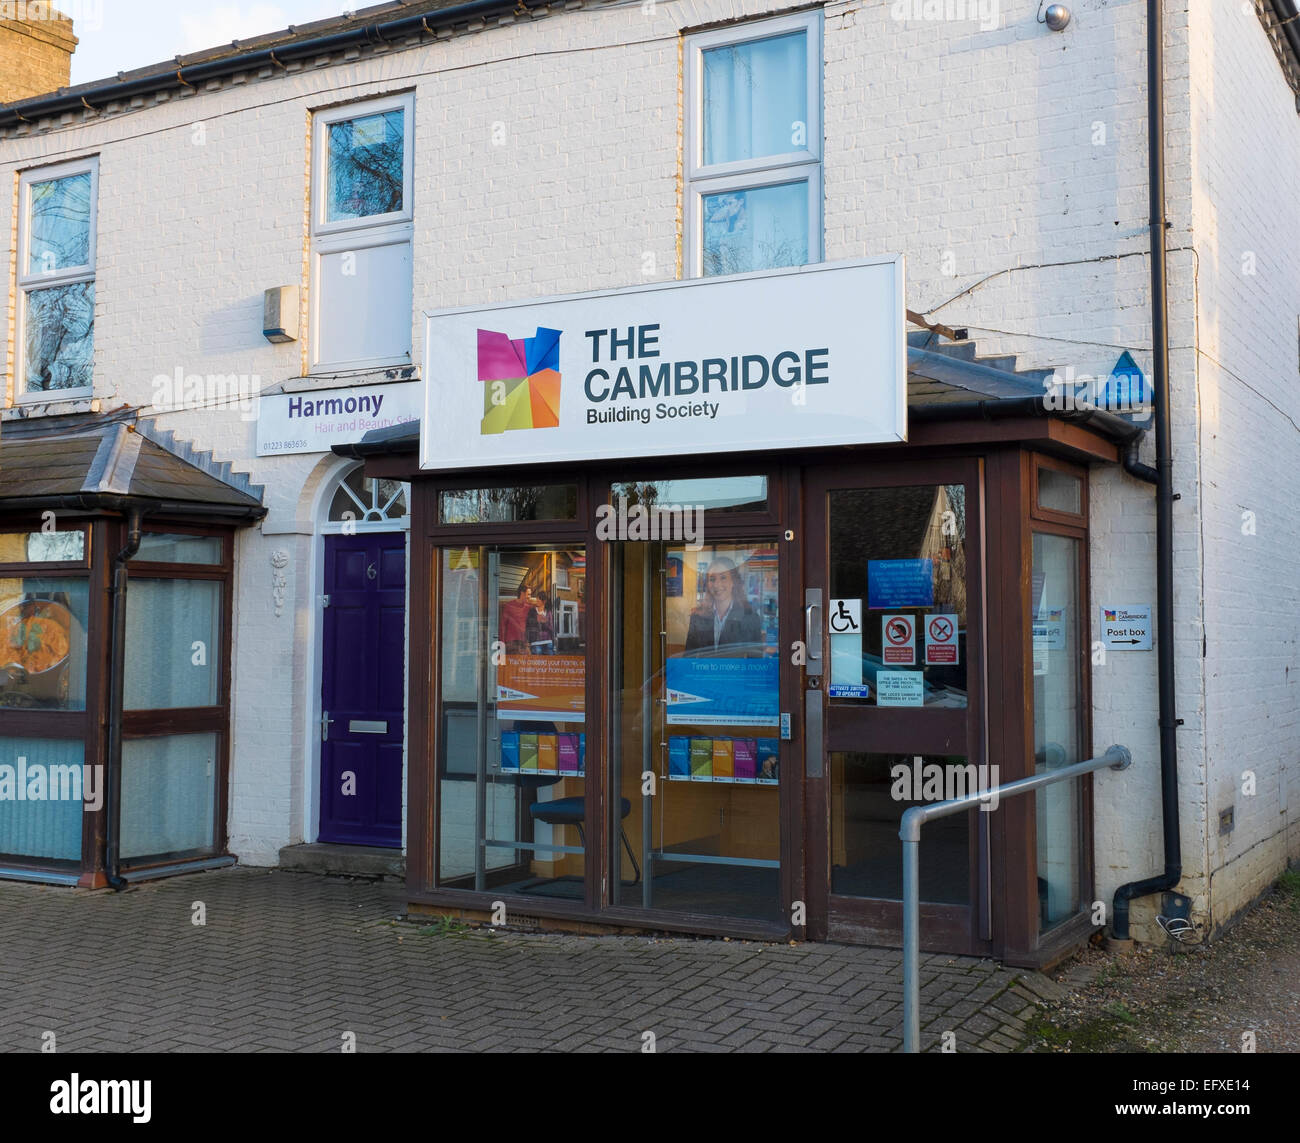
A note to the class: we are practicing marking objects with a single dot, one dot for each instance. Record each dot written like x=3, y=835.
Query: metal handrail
x=909, y=831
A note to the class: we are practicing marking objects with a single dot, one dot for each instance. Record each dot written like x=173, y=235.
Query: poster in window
x=541, y=675
x=722, y=667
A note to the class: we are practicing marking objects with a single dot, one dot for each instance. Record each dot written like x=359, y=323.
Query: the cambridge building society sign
x=804, y=357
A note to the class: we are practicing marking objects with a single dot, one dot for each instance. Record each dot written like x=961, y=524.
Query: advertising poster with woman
x=722, y=664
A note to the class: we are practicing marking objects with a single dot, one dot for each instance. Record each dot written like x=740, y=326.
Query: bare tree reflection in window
x=738, y=240
x=365, y=166
x=60, y=222
x=59, y=336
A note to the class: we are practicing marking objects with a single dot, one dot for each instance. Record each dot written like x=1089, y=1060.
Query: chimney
x=36, y=45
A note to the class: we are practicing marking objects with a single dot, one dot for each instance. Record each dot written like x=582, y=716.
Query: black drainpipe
x=117, y=662
x=1162, y=477
x=1285, y=11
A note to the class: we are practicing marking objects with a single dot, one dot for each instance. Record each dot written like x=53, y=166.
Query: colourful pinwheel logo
x=521, y=380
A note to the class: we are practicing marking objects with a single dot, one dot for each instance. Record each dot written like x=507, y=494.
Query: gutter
x=1162, y=477
x=396, y=440
x=94, y=501
x=385, y=33
x=1116, y=427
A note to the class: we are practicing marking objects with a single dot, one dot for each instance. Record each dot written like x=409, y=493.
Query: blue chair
x=572, y=812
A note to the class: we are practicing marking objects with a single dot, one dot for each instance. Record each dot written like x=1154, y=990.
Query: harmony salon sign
x=316, y=420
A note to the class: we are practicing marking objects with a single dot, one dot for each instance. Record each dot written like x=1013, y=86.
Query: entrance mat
x=567, y=888
x=945, y=875
x=727, y=891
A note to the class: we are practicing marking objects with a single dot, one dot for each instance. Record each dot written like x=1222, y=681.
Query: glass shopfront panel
x=711, y=493
x=511, y=505
x=1058, y=722
x=900, y=552
x=869, y=793
x=512, y=737
x=1059, y=491
x=694, y=693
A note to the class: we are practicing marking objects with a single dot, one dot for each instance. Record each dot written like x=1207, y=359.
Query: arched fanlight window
x=361, y=499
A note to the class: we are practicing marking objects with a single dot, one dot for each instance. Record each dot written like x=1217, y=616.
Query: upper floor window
x=754, y=146
x=361, y=235
x=56, y=280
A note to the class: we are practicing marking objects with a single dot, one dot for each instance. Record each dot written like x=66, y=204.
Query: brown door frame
x=950, y=928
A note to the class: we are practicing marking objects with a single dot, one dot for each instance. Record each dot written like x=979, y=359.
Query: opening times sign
x=808, y=356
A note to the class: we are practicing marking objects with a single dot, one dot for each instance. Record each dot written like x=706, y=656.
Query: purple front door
x=361, y=693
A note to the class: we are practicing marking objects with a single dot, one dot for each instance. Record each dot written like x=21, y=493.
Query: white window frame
x=29, y=280
x=391, y=229
x=567, y=613
x=796, y=165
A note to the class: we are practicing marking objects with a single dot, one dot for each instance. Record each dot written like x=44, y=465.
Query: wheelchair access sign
x=845, y=617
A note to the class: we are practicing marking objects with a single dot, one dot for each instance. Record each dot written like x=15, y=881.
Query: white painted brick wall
x=1245, y=147
x=1016, y=154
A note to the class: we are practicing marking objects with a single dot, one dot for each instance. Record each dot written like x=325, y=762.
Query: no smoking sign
x=940, y=640
x=899, y=643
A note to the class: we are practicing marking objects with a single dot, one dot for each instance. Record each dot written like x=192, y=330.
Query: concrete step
x=344, y=860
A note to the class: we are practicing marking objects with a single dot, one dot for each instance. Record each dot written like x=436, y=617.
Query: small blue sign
x=900, y=583
x=850, y=690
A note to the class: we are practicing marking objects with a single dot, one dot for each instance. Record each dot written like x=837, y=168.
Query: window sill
x=26, y=407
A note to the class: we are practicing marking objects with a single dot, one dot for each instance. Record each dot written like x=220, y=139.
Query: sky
x=118, y=35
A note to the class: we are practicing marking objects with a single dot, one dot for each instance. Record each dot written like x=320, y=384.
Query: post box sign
x=778, y=359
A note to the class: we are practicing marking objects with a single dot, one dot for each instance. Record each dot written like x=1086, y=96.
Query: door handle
x=812, y=629
x=325, y=721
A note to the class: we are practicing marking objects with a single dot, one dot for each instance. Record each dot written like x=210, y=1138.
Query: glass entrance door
x=893, y=697
x=695, y=727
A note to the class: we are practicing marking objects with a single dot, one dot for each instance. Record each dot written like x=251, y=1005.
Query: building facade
x=418, y=159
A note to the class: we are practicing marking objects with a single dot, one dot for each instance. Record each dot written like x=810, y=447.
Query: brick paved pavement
x=292, y=961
